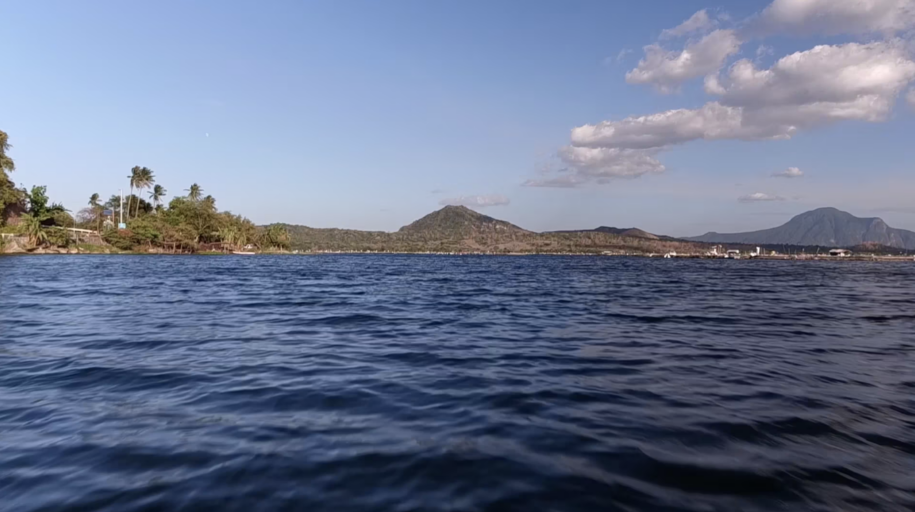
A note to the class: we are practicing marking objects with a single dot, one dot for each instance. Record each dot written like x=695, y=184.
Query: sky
x=678, y=117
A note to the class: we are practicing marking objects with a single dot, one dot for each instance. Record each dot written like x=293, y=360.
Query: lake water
x=434, y=383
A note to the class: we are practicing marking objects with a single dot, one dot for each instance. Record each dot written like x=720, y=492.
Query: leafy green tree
x=38, y=201
x=54, y=215
x=11, y=198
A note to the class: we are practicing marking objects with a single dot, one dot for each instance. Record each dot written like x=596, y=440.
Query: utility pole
x=121, y=209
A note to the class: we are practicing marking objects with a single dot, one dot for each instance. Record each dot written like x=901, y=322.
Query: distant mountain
x=460, y=229
x=632, y=232
x=458, y=222
x=826, y=227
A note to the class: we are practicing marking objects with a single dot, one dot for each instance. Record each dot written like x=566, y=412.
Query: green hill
x=460, y=229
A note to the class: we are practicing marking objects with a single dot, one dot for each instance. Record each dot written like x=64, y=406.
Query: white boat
x=244, y=253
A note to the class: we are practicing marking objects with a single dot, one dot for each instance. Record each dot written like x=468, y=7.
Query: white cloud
x=824, y=85
x=476, y=201
x=585, y=165
x=712, y=121
x=833, y=17
x=808, y=89
x=622, y=54
x=791, y=172
x=561, y=181
x=759, y=197
x=699, y=22
x=824, y=74
x=666, y=70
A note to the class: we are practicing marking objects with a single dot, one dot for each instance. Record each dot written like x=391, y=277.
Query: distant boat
x=244, y=253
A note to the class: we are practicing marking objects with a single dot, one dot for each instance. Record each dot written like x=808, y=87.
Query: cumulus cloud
x=699, y=22
x=710, y=122
x=482, y=201
x=805, y=90
x=585, y=165
x=801, y=91
x=791, y=172
x=838, y=74
x=759, y=197
x=833, y=17
x=666, y=70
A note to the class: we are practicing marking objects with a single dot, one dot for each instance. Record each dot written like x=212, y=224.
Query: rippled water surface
x=401, y=383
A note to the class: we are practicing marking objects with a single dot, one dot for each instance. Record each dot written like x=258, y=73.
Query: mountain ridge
x=828, y=227
x=460, y=229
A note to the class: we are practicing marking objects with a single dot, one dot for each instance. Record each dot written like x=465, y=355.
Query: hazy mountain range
x=827, y=227
x=460, y=229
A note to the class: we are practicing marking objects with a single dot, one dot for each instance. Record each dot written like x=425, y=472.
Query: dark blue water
x=402, y=383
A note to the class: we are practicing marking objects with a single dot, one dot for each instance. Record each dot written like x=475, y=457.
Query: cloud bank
x=806, y=90
x=835, y=17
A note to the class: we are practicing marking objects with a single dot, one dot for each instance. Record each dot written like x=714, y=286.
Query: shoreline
x=862, y=258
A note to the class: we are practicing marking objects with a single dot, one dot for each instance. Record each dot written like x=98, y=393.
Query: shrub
x=120, y=238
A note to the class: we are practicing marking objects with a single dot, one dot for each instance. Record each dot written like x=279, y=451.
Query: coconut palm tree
x=158, y=192
x=194, y=192
x=97, y=208
x=146, y=180
x=134, y=176
x=276, y=237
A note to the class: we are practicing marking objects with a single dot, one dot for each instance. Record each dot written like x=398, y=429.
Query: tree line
x=186, y=223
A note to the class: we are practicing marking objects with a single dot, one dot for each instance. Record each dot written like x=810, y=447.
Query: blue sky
x=368, y=115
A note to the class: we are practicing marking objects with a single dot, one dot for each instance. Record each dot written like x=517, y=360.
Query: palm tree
x=146, y=179
x=229, y=235
x=158, y=192
x=97, y=208
x=276, y=237
x=134, y=181
x=6, y=163
x=194, y=192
